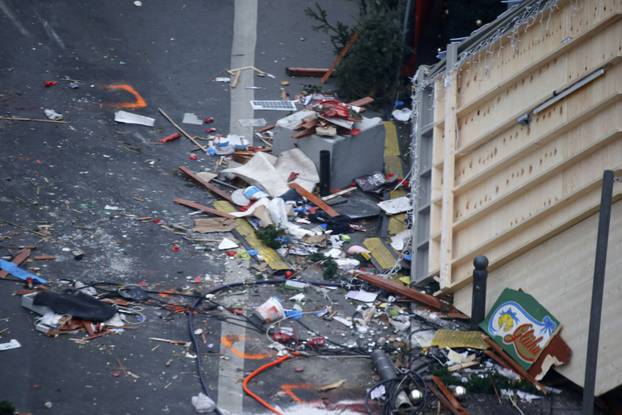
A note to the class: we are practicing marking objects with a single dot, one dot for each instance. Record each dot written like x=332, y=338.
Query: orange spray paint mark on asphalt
x=228, y=343
x=288, y=388
x=139, y=101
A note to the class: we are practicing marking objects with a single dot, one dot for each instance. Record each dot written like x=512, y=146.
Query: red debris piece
x=210, y=130
x=38, y=162
x=292, y=176
x=355, y=131
x=193, y=156
x=299, y=369
x=197, y=279
x=316, y=342
x=157, y=221
x=143, y=283
x=231, y=253
x=48, y=84
x=175, y=248
x=208, y=120
x=170, y=137
x=288, y=274
x=281, y=337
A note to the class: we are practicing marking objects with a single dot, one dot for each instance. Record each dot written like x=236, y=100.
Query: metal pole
x=324, y=172
x=478, y=300
x=600, y=262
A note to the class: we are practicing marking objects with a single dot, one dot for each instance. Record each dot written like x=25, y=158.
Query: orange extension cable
x=257, y=372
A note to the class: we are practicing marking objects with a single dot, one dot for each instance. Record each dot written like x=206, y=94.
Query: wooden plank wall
x=514, y=186
x=559, y=274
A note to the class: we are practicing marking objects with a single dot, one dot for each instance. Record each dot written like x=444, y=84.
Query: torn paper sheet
x=227, y=243
x=395, y=206
x=224, y=79
x=209, y=225
x=192, y=119
x=131, y=118
x=362, y=295
x=271, y=173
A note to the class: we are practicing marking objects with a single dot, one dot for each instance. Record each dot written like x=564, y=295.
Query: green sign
x=521, y=326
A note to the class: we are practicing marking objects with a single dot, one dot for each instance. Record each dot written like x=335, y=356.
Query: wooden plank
x=18, y=259
x=247, y=232
x=305, y=72
x=449, y=147
x=361, y=102
x=399, y=288
x=380, y=253
x=209, y=186
x=342, y=53
x=314, y=199
x=472, y=82
x=203, y=208
x=516, y=143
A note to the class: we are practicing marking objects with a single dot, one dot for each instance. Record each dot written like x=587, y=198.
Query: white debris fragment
x=224, y=79
x=227, y=243
x=13, y=344
x=362, y=295
x=53, y=115
x=203, y=404
x=131, y=118
x=192, y=119
x=402, y=115
x=138, y=3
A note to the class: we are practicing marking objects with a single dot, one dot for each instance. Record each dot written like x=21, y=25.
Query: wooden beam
x=209, y=186
x=203, y=208
x=399, y=288
x=340, y=56
x=314, y=199
x=306, y=72
x=18, y=259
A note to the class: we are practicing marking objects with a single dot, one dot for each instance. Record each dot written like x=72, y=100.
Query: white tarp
x=271, y=173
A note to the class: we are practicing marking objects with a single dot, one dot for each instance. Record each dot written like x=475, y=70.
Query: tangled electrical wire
x=393, y=388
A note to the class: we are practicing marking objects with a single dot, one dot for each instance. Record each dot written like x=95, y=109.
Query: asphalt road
x=65, y=176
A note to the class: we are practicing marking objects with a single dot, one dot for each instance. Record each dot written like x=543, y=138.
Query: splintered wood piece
x=212, y=188
x=314, y=199
x=17, y=260
x=398, y=288
x=202, y=208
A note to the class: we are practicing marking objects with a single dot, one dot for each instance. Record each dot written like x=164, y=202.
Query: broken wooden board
x=399, y=288
x=247, y=232
x=203, y=208
x=18, y=259
x=380, y=253
x=209, y=186
x=314, y=199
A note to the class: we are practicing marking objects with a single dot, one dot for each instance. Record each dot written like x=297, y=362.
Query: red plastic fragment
x=175, y=248
x=48, y=84
x=208, y=120
x=193, y=156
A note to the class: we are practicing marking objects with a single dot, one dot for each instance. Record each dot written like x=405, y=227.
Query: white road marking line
x=9, y=13
x=243, y=54
x=230, y=372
